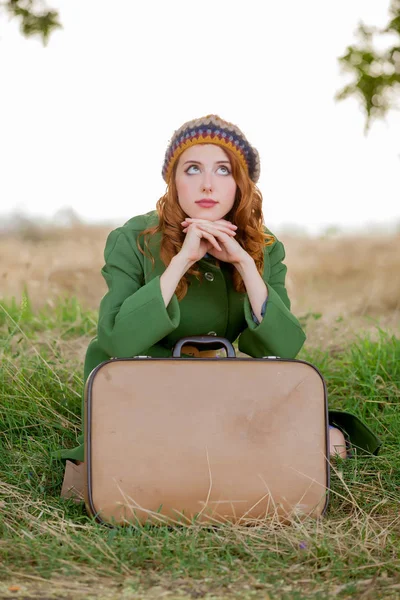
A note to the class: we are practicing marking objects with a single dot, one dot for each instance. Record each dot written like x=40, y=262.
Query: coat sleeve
x=132, y=314
x=279, y=333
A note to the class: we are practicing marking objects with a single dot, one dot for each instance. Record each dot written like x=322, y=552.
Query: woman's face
x=204, y=173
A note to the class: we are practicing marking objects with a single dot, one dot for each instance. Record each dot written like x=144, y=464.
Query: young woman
x=203, y=263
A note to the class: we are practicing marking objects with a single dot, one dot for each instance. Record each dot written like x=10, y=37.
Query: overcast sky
x=85, y=121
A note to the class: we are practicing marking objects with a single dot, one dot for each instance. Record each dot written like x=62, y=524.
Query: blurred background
x=91, y=93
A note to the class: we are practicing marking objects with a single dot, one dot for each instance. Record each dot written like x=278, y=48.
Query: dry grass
x=55, y=262
x=311, y=556
x=345, y=275
x=339, y=285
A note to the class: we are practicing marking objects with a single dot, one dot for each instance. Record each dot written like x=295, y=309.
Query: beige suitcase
x=177, y=440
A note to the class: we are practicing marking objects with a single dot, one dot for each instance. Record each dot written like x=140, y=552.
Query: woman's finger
x=230, y=233
x=204, y=234
x=219, y=223
x=226, y=222
x=217, y=233
x=211, y=239
x=208, y=226
x=227, y=231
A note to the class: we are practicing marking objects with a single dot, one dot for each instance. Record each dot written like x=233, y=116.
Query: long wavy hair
x=246, y=214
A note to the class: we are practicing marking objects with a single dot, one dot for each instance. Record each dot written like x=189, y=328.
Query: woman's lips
x=206, y=203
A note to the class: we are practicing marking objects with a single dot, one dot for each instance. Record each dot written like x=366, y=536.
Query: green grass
x=45, y=540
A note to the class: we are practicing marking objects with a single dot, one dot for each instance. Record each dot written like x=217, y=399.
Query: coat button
x=211, y=333
x=209, y=276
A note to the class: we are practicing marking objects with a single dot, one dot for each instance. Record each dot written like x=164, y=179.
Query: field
x=345, y=290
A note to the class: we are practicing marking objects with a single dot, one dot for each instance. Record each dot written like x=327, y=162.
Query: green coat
x=133, y=319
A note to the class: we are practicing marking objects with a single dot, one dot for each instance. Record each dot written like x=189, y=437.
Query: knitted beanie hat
x=211, y=129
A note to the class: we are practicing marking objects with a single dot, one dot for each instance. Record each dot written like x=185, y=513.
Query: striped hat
x=212, y=130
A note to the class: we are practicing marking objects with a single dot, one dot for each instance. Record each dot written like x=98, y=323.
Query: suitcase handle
x=211, y=342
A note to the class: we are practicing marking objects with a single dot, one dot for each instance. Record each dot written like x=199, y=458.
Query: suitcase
x=210, y=440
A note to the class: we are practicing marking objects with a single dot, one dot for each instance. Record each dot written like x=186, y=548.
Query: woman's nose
x=206, y=182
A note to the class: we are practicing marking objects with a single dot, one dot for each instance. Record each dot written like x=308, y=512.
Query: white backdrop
x=84, y=122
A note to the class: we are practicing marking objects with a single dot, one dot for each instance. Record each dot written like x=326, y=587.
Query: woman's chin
x=206, y=213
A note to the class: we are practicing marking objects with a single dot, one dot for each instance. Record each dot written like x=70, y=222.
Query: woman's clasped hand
x=216, y=238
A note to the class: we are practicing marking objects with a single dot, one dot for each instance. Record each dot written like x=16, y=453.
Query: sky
x=85, y=121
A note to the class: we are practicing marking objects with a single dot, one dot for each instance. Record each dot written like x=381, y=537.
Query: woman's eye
x=227, y=171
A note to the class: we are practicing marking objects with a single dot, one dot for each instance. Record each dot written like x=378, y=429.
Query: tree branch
x=33, y=19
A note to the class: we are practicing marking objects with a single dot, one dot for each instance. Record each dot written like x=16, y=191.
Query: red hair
x=246, y=214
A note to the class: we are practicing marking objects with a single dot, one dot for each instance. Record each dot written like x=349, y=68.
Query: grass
x=50, y=548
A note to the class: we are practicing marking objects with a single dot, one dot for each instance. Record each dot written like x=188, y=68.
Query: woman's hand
x=229, y=250
x=197, y=243
x=222, y=232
